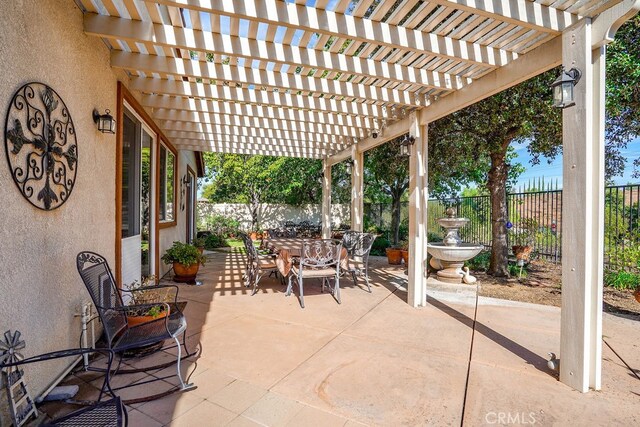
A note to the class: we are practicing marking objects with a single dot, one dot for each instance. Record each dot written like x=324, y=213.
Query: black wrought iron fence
x=539, y=214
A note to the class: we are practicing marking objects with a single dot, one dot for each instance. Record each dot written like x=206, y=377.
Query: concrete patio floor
x=374, y=360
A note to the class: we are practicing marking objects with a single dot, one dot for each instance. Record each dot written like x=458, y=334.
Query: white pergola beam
x=222, y=44
x=260, y=78
x=198, y=110
x=537, y=61
x=260, y=142
x=213, y=111
x=258, y=123
x=392, y=131
x=286, y=137
x=329, y=23
x=253, y=96
x=246, y=149
x=524, y=13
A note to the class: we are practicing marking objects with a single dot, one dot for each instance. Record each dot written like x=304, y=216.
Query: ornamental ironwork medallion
x=41, y=146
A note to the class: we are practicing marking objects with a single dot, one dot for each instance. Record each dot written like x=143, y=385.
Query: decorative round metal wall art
x=41, y=146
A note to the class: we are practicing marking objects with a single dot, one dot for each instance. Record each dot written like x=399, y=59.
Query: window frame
x=166, y=223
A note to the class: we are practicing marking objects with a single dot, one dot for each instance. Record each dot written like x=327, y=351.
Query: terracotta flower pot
x=253, y=235
x=394, y=256
x=521, y=252
x=405, y=257
x=636, y=294
x=185, y=272
x=136, y=320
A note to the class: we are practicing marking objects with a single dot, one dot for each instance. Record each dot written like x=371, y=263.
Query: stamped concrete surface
x=373, y=360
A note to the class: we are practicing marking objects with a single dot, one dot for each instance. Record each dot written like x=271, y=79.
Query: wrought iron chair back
x=97, y=277
x=358, y=245
x=320, y=253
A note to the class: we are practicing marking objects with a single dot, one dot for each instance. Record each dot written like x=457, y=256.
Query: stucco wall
x=40, y=289
x=272, y=215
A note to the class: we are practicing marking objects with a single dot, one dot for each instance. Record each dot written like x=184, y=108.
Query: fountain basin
x=450, y=260
x=447, y=223
x=459, y=253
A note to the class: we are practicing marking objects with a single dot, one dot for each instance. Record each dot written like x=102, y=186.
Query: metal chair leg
x=183, y=386
x=301, y=292
x=336, y=290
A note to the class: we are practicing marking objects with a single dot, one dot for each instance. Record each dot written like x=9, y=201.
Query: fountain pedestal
x=452, y=253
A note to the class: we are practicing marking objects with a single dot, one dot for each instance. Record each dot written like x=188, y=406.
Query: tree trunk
x=395, y=218
x=497, y=186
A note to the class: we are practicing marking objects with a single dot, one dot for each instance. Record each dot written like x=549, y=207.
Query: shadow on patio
x=375, y=360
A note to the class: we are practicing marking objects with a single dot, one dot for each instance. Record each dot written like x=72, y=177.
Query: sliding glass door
x=138, y=227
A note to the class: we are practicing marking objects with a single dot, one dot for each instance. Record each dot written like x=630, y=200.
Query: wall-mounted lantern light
x=563, y=95
x=106, y=123
x=405, y=145
x=349, y=164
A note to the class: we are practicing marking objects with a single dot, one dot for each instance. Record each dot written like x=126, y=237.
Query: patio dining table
x=289, y=249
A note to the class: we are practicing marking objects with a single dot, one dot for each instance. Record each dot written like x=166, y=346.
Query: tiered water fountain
x=450, y=254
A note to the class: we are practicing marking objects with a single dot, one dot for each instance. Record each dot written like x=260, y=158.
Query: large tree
x=254, y=180
x=623, y=96
x=473, y=145
x=387, y=173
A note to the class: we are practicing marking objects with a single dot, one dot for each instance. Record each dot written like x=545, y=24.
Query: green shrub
x=222, y=225
x=480, y=262
x=622, y=279
x=214, y=241
x=379, y=246
x=624, y=259
x=514, y=271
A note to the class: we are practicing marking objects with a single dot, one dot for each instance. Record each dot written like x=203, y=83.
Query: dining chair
x=257, y=264
x=319, y=259
x=358, y=246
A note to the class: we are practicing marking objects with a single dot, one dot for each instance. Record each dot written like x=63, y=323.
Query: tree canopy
x=623, y=96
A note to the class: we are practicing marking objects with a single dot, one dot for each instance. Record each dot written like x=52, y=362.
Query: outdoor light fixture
x=349, y=164
x=563, y=95
x=405, y=145
x=106, y=123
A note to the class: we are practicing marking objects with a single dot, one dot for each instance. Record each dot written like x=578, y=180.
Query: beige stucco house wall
x=40, y=289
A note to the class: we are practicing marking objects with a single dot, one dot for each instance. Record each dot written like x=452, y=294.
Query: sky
x=552, y=171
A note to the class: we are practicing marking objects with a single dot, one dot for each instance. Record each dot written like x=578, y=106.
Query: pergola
x=317, y=78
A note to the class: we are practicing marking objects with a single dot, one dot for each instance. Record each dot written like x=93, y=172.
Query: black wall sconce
x=563, y=95
x=105, y=122
x=349, y=163
x=405, y=145
x=184, y=187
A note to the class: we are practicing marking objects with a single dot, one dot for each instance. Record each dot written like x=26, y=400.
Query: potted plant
x=198, y=242
x=136, y=316
x=186, y=260
x=524, y=236
x=394, y=255
x=404, y=251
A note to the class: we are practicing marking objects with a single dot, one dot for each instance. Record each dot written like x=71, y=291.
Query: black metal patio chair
x=358, y=246
x=319, y=259
x=109, y=412
x=119, y=335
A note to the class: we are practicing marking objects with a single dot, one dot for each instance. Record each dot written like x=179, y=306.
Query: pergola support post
x=326, y=199
x=418, y=197
x=357, y=188
x=583, y=214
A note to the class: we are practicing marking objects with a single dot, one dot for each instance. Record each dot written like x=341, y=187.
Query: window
x=167, y=184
